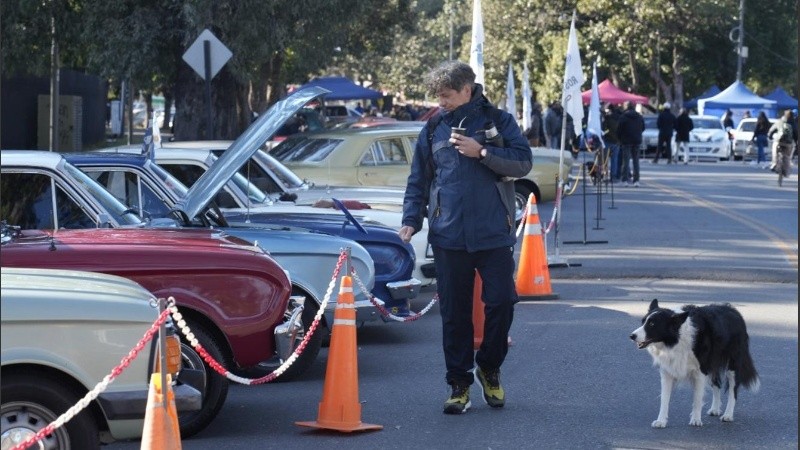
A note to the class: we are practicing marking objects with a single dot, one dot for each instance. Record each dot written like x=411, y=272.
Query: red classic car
x=231, y=293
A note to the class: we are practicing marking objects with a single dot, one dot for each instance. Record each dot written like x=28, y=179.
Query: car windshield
x=303, y=149
x=713, y=124
x=254, y=194
x=650, y=122
x=122, y=214
x=269, y=175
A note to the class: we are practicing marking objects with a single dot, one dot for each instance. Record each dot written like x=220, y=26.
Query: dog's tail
x=746, y=374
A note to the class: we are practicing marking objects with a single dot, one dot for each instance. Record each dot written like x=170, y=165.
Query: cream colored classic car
x=62, y=332
x=381, y=156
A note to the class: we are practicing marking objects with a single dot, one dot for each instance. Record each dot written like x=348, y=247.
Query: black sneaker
x=489, y=382
x=458, y=403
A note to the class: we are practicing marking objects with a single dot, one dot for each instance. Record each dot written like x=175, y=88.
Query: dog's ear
x=654, y=304
x=678, y=319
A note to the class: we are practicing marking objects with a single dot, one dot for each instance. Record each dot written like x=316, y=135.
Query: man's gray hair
x=449, y=75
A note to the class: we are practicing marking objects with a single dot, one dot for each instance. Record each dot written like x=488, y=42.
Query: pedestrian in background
x=683, y=127
x=760, y=138
x=553, y=118
x=666, y=124
x=629, y=131
x=610, y=122
x=534, y=133
x=454, y=178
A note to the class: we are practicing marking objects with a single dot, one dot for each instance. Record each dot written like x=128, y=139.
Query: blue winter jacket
x=469, y=202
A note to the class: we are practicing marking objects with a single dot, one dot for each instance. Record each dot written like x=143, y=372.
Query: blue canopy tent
x=782, y=99
x=342, y=89
x=710, y=92
x=738, y=99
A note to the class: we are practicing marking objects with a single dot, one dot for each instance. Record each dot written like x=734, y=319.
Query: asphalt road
x=702, y=233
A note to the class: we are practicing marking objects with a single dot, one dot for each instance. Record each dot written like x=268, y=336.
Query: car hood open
x=202, y=191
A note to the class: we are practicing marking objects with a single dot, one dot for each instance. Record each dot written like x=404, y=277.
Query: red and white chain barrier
x=385, y=312
x=98, y=389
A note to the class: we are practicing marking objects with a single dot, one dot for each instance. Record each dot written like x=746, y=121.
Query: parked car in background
x=340, y=114
x=708, y=140
x=381, y=156
x=649, y=135
x=743, y=145
x=62, y=332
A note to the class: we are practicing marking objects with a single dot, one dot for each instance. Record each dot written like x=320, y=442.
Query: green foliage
x=673, y=47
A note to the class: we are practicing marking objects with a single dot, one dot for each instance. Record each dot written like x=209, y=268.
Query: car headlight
x=390, y=261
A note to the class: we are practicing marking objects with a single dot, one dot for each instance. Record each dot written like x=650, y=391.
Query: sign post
x=207, y=55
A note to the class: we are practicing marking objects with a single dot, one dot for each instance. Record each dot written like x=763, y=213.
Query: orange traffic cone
x=478, y=317
x=161, y=429
x=340, y=409
x=533, y=276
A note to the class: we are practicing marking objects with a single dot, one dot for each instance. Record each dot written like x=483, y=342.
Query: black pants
x=455, y=276
x=665, y=144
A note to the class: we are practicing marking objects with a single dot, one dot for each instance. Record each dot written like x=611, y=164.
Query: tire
x=32, y=401
x=306, y=359
x=521, y=193
x=215, y=388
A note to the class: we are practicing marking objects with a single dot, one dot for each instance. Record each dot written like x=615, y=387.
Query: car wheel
x=213, y=385
x=306, y=359
x=31, y=402
x=521, y=194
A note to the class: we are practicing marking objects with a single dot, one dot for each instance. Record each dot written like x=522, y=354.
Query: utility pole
x=741, y=51
x=451, y=8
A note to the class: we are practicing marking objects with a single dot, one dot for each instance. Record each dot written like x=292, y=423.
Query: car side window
x=390, y=152
x=28, y=202
x=368, y=158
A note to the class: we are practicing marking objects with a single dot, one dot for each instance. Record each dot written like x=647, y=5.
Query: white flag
x=527, y=108
x=593, y=124
x=156, y=132
x=511, y=96
x=476, y=49
x=573, y=80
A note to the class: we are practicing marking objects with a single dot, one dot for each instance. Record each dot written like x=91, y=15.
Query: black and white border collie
x=699, y=344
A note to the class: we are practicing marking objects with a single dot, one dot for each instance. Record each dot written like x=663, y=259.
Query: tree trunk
x=677, y=77
x=230, y=112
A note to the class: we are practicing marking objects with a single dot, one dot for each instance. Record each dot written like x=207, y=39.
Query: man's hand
x=405, y=233
x=466, y=145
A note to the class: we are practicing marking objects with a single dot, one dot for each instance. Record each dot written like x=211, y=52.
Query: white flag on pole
x=511, y=96
x=527, y=108
x=156, y=132
x=593, y=124
x=573, y=80
x=476, y=49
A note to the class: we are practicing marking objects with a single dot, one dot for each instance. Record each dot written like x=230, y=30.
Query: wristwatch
x=482, y=154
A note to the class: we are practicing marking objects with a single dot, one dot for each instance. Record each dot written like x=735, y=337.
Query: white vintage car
x=62, y=333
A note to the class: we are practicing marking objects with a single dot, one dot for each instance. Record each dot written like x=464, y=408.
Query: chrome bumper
x=401, y=290
x=286, y=333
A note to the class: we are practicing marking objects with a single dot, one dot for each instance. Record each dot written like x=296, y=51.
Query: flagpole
x=573, y=79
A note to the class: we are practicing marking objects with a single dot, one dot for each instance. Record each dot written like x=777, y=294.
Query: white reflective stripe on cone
x=346, y=322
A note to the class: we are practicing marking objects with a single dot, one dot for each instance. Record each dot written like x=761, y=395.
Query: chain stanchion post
x=162, y=350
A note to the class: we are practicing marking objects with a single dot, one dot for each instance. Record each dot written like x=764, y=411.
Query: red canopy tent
x=612, y=94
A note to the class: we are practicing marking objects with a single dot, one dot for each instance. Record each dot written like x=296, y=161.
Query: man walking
x=629, y=132
x=665, y=123
x=456, y=178
x=683, y=126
